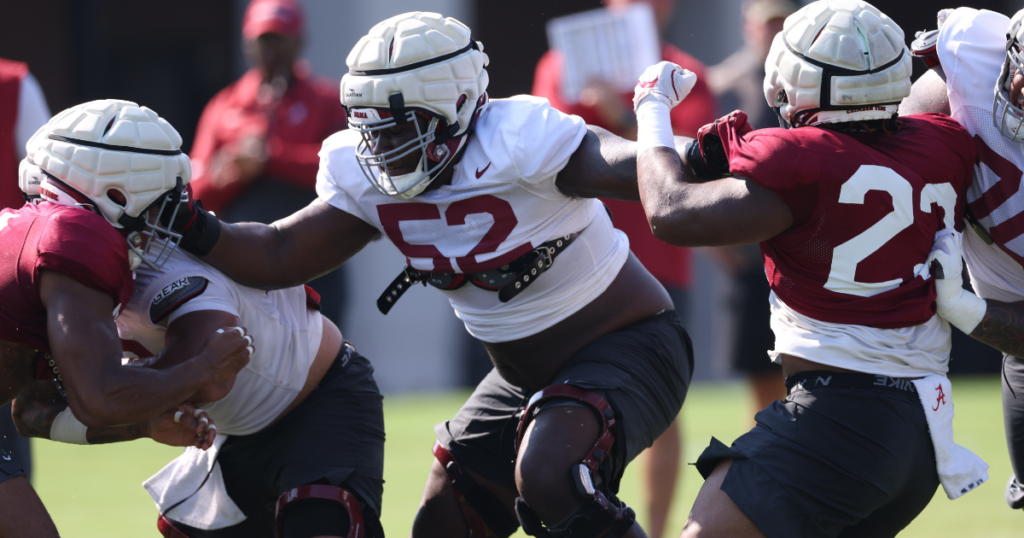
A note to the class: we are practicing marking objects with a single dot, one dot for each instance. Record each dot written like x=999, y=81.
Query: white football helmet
x=117, y=159
x=414, y=64
x=1009, y=117
x=837, y=61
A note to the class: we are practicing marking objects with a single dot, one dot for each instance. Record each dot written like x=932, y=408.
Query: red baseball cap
x=272, y=17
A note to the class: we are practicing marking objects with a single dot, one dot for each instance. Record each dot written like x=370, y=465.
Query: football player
x=846, y=202
x=105, y=170
x=493, y=203
x=299, y=430
x=973, y=55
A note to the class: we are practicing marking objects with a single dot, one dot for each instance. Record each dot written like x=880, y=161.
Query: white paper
x=612, y=45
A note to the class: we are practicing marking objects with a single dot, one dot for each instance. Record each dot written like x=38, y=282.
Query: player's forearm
x=132, y=395
x=605, y=166
x=34, y=418
x=1002, y=327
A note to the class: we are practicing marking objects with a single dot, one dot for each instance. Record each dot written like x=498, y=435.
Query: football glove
x=706, y=155
x=961, y=308
x=665, y=82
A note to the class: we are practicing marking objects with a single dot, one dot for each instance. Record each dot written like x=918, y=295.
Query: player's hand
x=961, y=308
x=713, y=140
x=225, y=352
x=943, y=15
x=185, y=425
x=665, y=82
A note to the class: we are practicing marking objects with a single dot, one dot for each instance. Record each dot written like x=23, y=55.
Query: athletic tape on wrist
x=68, y=429
x=965, y=311
x=654, y=126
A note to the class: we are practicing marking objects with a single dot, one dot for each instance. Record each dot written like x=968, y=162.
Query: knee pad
x=601, y=511
x=167, y=529
x=481, y=507
x=342, y=497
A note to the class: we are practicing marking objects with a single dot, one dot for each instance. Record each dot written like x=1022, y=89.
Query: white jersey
x=287, y=335
x=501, y=204
x=972, y=49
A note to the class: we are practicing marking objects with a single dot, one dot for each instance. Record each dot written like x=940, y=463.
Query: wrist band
x=68, y=429
x=964, y=311
x=654, y=126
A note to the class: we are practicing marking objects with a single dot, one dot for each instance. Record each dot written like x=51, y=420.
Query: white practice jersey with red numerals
x=501, y=204
x=972, y=49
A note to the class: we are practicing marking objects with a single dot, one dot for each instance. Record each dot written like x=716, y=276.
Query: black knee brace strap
x=356, y=528
x=603, y=512
x=481, y=508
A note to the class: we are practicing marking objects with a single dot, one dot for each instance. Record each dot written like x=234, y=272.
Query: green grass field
x=96, y=491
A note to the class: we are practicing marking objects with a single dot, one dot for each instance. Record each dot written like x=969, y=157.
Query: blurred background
x=174, y=57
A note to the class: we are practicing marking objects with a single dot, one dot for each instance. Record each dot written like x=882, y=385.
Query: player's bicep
x=928, y=94
x=81, y=332
x=722, y=212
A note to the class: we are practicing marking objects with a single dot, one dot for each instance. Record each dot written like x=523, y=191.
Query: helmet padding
x=837, y=61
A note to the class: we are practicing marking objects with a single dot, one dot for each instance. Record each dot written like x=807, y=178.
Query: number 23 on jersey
x=847, y=256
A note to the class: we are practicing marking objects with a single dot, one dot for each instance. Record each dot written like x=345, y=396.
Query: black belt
x=508, y=280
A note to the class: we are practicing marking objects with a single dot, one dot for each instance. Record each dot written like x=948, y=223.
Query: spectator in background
x=737, y=82
x=255, y=156
x=601, y=105
x=23, y=110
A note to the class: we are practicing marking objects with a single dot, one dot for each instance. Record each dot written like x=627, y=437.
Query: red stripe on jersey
x=1007, y=186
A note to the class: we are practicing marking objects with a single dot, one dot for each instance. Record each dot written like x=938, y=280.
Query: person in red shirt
x=601, y=105
x=255, y=155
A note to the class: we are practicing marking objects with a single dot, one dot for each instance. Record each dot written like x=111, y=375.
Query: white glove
x=665, y=82
x=943, y=15
x=961, y=308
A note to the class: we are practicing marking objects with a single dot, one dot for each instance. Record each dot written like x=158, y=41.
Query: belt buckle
x=547, y=256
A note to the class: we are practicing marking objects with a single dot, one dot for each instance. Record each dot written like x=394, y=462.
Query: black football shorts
x=844, y=455
x=8, y=467
x=335, y=437
x=642, y=371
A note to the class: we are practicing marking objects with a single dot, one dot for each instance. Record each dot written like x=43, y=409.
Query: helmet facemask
x=370, y=122
x=436, y=144
x=1008, y=117
x=152, y=242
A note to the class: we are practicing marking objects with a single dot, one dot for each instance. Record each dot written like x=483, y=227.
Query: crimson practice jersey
x=866, y=208
x=69, y=240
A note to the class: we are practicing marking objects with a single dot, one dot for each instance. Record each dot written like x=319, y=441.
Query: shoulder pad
x=174, y=295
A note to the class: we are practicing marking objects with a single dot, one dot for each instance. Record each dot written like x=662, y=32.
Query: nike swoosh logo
x=480, y=172
x=8, y=458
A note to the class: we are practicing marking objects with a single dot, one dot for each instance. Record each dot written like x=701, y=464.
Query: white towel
x=960, y=470
x=208, y=506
